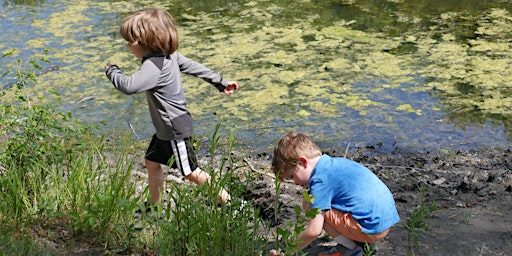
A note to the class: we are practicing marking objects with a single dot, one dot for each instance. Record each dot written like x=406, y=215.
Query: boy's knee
x=191, y=177
x=198, y=176
x=151, y=166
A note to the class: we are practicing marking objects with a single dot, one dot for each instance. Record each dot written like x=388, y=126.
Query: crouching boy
x=356, y=207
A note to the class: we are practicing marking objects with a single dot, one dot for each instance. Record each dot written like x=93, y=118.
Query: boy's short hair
x=289, y=149
x=152, y=29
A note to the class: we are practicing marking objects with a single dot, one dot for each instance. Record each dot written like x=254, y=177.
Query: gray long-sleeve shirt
x=160, y=78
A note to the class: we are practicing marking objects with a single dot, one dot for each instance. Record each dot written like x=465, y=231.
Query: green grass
x=65, y=189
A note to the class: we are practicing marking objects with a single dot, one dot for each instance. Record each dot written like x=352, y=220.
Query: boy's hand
x=231, y=88
x=107, y=66
x=276, y=253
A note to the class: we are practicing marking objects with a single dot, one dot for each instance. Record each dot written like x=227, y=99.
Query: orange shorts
x=345, y=224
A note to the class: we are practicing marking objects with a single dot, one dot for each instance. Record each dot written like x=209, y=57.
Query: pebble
x=439, y=181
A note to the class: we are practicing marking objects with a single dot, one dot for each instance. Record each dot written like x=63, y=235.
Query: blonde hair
x=153, y=29
x=289, y=149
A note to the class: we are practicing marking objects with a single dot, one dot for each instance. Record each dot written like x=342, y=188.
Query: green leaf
x=308, y=198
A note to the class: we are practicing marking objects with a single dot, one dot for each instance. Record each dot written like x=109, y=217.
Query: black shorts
x=161, y=151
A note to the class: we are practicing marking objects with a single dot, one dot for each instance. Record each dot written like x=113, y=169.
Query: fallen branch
x=264, y=173
x=133, y=130
x=257, y=171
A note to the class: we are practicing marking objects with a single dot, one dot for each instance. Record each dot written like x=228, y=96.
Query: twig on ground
x=257, y=171
x=133, y=130
x=263, y=173
x=346, y=150
x=84, y=100
x=483, y=250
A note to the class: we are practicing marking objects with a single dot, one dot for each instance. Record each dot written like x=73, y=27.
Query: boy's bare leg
x=338, y=237
x=200, y=177
x=155, y=179
x=330, y=230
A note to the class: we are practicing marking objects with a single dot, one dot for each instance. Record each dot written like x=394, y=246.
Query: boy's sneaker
x=331, y=252
x=340, y=250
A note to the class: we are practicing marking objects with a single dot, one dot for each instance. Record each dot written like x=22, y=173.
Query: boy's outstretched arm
x=312, y=231
x=231, y=88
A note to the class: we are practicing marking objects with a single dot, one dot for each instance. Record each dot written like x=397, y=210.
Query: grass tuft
x=64, y=189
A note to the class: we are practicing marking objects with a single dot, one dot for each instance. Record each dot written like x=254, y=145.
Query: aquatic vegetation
x=300, y=69
x=476, y=76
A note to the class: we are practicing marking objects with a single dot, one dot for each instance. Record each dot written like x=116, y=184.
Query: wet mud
x=469, y=194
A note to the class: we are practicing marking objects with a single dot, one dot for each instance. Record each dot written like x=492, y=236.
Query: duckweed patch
x=310, y=70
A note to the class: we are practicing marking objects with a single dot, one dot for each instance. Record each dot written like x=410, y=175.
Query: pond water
x=416, y=74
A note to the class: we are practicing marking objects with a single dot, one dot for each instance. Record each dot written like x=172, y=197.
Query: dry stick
x=256, y=171
x=264, y=173
x=133, y=130
x=346, y=150
x=85, y=99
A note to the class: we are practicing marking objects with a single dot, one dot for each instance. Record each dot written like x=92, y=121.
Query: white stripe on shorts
x=181, y=156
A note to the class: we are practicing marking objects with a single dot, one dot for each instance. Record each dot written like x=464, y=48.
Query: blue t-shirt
x=350, y=187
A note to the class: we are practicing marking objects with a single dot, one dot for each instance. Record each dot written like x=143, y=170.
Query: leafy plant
x=52, y=168
x=33, y=137
x=417, y=221
x=289, y=236
x=368, y=249
x=195, y=225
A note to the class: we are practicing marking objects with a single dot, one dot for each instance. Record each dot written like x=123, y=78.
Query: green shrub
x=198, y=228
x=60, y=183
x=36, y=141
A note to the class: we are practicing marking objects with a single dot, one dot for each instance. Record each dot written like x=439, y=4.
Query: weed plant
x=64, y=185
x=417, y=222
x=39, y=145
x=287, y=237
x=193, y=227
x=53, y=174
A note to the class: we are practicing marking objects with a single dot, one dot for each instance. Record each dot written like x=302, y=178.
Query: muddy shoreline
x=471, y=190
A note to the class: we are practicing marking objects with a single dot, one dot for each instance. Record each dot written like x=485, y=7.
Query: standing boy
x=152, y=36
x=356, y=206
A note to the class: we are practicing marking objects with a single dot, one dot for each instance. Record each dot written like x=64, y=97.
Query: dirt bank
x=472, y=192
